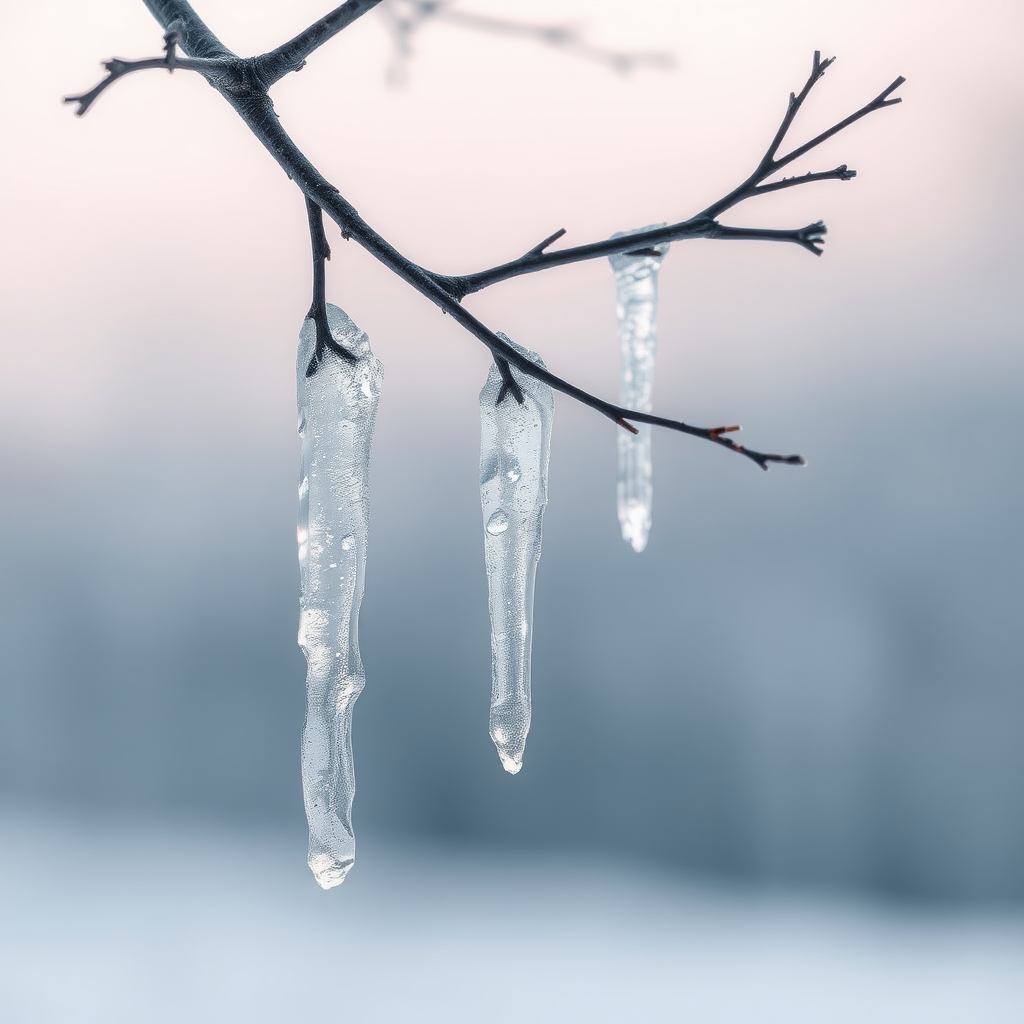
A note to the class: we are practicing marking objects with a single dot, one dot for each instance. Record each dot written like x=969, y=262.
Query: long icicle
x=515, y=444
x=337, y=409
x=636, y=307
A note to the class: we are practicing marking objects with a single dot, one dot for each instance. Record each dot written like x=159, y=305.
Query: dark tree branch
x=195, y=38
x=770, y=163
x=840, y=173
x=318, y=310
x=705, y=223
x=541, y=246
x=117, y=68
x=811, y=238
x=291, y=56
x=240, y=82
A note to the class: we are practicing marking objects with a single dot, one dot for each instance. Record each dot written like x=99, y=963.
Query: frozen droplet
x=498, y=523
x=347, y=541
x=512, y=470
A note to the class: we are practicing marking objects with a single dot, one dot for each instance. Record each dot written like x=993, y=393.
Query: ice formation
x=636, y=306
x=337, y=409
x=515, y=442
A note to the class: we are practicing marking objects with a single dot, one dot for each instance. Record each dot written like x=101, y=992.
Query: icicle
x=515, y=442
x=337, y=409
x=636, y=305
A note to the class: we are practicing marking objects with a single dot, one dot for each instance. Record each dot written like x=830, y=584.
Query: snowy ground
x=105, y=921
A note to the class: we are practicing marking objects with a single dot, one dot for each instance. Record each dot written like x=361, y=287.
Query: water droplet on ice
x=498, y=523
x=347, y=541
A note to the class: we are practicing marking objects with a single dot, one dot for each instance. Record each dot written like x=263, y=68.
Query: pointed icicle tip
x=328, y=871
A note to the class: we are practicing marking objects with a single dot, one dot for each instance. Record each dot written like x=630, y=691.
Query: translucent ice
x=337, y=409
x=636, y=306
x=515, y=442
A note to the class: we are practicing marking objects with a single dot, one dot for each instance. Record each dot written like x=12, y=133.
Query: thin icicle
x=337, y=409
x=636, y=306
x=515, y=442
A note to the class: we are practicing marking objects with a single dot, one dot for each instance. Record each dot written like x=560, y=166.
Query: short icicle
x=636, y=306
x=337, y=410
x=515, y=443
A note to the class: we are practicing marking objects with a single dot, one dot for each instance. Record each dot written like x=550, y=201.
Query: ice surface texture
x=636, y=306
x=337, y=409
x=515, y=442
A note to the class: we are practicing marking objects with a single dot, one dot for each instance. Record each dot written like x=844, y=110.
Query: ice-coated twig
x=636, y=310
x=515, y=443
x=337, y=409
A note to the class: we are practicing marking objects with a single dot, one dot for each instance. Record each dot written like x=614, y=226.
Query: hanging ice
x=636, y=306
x=515, y=442
x=337, y=409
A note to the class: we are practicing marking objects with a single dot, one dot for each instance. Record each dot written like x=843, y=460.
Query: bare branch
x=840, y=173
x=116, y=68
x=194, y=37
x=541, y=246
x=536, y=259
x=291, y=56
x=705, y=223
x=318, y=310
x=770, y=163
x=880, y=101
x=509, y=385
x=811, y=238
x=796, y=101
x=240, y=83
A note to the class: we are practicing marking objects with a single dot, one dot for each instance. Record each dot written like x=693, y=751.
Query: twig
x=117, y=68
x=770, y=163
x=705, y=223
x=291, y=56
x=318, y=310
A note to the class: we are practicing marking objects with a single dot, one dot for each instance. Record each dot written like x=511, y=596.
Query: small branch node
x=812, y=237
x=541, y=246
x=171, y=38
x=509, y=385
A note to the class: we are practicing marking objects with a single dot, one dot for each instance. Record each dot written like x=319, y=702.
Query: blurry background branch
x=406, y=17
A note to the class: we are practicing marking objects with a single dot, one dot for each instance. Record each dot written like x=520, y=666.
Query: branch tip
x=541, y=246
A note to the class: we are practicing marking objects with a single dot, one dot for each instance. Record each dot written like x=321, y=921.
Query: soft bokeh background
x=776, y=761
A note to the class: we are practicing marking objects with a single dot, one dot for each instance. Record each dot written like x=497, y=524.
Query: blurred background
x=776, y=760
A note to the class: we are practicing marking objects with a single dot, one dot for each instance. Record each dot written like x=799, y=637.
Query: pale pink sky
x=152, y=244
